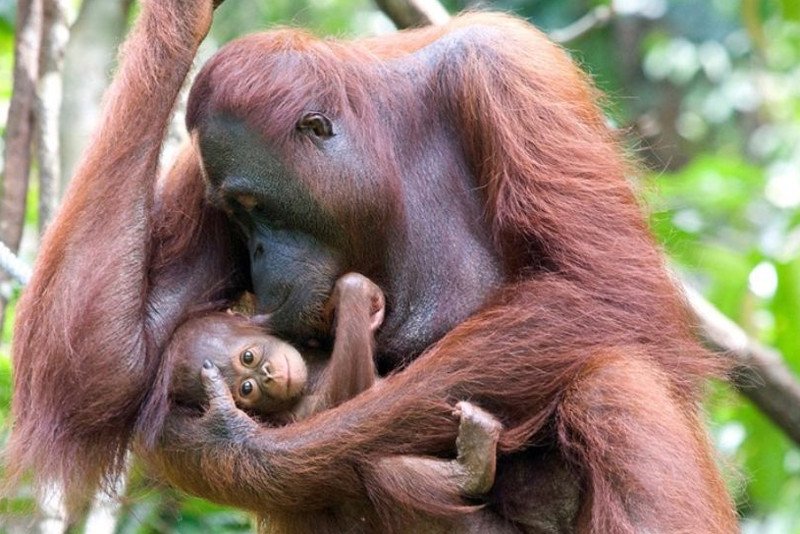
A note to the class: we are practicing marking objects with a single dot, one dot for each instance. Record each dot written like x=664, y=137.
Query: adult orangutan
x=466, y=170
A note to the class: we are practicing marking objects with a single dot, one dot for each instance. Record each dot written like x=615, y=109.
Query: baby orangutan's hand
x=223, y=419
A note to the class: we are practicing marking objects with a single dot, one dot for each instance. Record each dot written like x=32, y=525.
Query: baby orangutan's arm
x=357, y=305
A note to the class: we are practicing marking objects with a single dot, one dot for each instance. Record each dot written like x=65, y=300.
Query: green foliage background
x=710, y=91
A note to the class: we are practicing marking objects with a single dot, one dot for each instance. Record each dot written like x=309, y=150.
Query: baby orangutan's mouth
x=288, y=376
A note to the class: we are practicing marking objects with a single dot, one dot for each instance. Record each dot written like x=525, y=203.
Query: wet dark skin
x=292, y=245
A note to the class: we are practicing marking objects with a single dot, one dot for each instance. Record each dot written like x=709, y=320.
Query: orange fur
x=586, y=344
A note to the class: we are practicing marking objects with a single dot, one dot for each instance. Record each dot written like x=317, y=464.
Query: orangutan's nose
x=266, y=370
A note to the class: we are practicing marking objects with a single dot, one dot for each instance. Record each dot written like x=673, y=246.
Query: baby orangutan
x=271, y=381
x=267, y=376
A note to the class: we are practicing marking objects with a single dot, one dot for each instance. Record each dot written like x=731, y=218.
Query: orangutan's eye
x=248, y=357
x=317, y=124
x=246, y=388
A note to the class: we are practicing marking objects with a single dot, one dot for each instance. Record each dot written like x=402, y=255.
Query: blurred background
x=708, y=92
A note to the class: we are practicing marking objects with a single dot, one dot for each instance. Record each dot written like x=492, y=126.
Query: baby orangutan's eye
x=248, y=357
x=246, y=388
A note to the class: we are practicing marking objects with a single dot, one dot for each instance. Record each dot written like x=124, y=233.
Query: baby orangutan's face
x=264, y=373
x=268, y=374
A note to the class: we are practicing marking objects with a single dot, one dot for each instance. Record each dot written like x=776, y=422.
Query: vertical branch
x=55, y=34
x=89, y=61
x=19, y=127
x=19, y=133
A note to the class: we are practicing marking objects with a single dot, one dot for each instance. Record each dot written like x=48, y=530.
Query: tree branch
x=19, y=126
x=596, y=18
x=760, y=373
x=413, y=13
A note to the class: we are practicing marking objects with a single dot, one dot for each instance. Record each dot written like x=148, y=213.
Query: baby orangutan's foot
x=478, y=433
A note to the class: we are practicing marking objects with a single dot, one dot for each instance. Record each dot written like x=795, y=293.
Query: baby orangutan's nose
x=266, y=370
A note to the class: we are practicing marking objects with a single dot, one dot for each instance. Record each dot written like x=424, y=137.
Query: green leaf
x=790, y=10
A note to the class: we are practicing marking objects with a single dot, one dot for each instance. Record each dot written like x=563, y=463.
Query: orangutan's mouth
x=277, y=307
x=288, y=377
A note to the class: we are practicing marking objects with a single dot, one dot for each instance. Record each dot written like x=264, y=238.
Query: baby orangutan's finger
x=217, y=392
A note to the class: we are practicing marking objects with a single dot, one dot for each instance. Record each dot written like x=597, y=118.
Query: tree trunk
x=88, y=64
x=55, y=34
